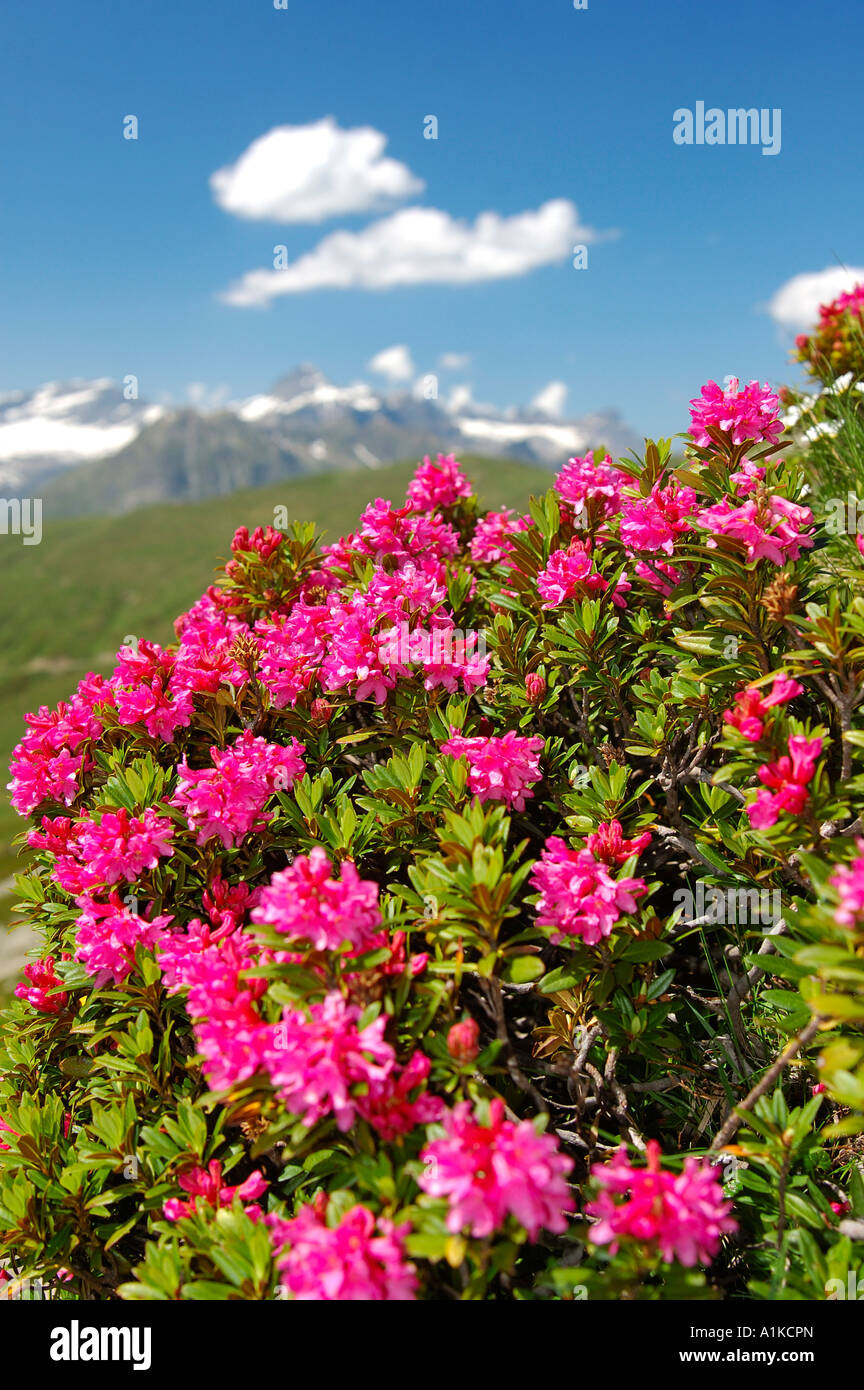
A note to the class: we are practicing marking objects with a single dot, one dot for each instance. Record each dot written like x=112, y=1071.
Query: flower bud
x=535, y=687
x=321, y=713
x=462, y=1040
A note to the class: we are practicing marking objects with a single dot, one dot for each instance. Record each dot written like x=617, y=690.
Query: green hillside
x=70, y=601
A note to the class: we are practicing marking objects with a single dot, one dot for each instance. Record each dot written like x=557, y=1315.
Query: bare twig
x=733, y=1120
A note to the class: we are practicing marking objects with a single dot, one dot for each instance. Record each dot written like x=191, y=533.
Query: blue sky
x=115, y=252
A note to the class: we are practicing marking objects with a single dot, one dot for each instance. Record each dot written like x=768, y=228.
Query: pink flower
x=121, y=847
x=652, y=523
x=292, y=649
x=577, y=895
x=448, y=660
x=490, y=1171
x=7, y=1129
x=305, y=903
x=582, y=479
x=348, y=1262
x=48, y=762
x=848, y=882
x=228, y=799
x=45, y=992
x=566, y=572
x=388, y=1105
x=608, y=844
x=748, y=477
x=489, y=544
x=769, y=529
x=684, y=1213
x=437, y=485
x=748, y=718
x=785, y=783
x=207, y=1183
x=314, y=1061
x=108, y=935
x=403, y=533
x=151, y=703
x=535, y=688
x=499, y=768
x=263, y=543
x=462, y=1041
x=226, y=904
x=748, y=415
x=658, y=575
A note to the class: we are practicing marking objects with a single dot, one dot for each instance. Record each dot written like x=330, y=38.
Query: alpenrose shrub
x=836, y=346
x=365, y=972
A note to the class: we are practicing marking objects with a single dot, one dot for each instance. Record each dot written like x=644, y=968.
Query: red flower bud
x=535, y=688
x=321, y=712
x=462, y=1040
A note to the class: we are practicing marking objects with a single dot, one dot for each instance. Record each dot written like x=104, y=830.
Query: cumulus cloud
x=454, y=361
x=394, y=362
x=796, y=304
x=423, y=246
x=551, y=400
x=306, y=173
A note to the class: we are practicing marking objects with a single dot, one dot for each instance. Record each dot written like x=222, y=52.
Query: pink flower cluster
x=48, y=762
x=96, y=854
x=264, y=543
x=490, y=1171
x=319, y=1061
x=653, y=523
x=568, y=573
x=143, y=694
x=748, y=414
x=439, y=484
x=848, y=882
x=785, y=782
x=583, y=479
x=108, y=935
x=207, y=1183
x=228, y=799
x=402, y=533
x=499, y=768
x=45, y=991
x=305, y=903
x=489, y=544
x=683, y=1214
x=769, y=529
x=351, y=1261
x=578, y=896
x=607, y=843
x=751, y=706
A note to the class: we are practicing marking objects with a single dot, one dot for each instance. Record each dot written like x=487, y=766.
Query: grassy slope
x=71, y=600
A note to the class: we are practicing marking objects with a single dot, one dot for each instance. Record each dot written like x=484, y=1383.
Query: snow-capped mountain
x=63, y=424
x=90, y=450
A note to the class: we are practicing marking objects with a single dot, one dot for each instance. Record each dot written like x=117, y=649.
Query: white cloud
x=423, y=246
x=796, y=304
x=551, y=400
x=306, y=173
x=454, y=361
x=459, y=399
x=205, y=397
x=394, y=362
